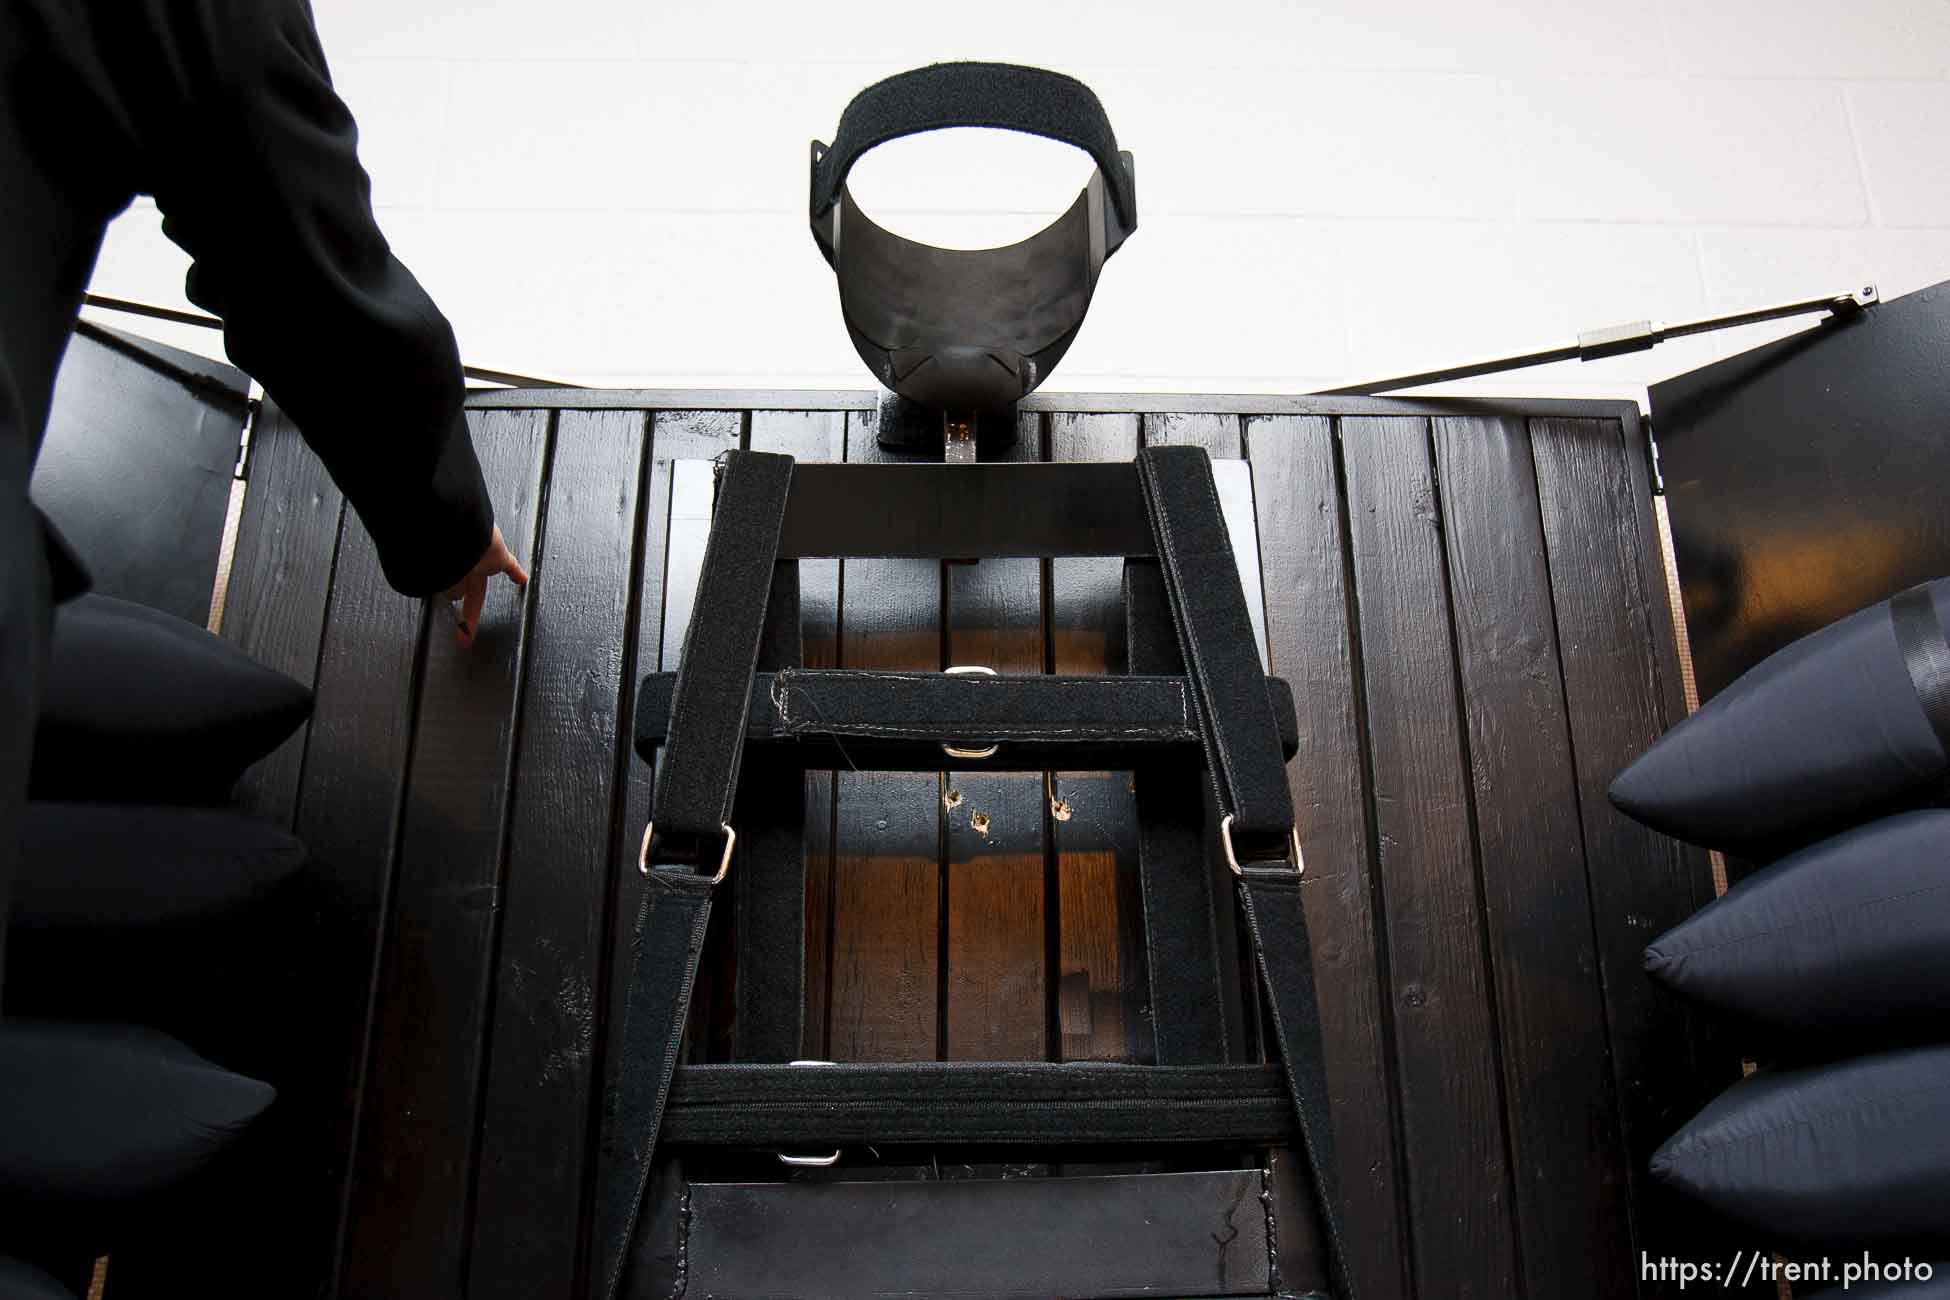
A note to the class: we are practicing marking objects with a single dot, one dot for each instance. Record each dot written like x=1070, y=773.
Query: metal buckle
x=1232, y=859
x=810, y=1162
x=724, y=865
x=965, y=751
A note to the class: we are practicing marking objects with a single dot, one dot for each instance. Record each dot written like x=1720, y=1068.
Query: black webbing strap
x=1926, y=654
x=927, y=1103
x=896, y=721
x=691, y=815
x=769, y=887
x=669, y=937
x=1004, y=95
x=1188, y=1012
x=707, y=720
x=1277, y=922
x=1215, y=636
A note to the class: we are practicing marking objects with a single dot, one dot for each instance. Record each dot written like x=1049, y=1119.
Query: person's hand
x=471, y=591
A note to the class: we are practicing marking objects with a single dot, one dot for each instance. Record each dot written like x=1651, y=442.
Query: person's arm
x=259, y=180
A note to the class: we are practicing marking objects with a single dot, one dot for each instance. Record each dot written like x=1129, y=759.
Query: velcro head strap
x=1001, y=95
x=974, y=329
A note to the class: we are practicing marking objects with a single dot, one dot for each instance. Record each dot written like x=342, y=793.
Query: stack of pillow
x=1827, y=761
x=135, y=903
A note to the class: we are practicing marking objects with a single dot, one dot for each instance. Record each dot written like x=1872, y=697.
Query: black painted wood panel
x=407, y=1226
x=1315, y=646
x=1446, y=1032
x=571, y=748
x=1466, y=598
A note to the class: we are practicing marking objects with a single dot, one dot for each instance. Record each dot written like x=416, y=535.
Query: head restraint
x=961, y=329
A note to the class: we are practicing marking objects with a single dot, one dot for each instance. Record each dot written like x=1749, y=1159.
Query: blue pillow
x=139, y=706
x=1847, y=939
x=1851, y=1154
x=1821, y=734
x=93, y=1114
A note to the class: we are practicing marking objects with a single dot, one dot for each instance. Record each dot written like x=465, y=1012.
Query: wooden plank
x=1572, y=1219
x=572, y=739
x=287, y=542
x=1103, y=980
x=813, y=436
x=1221, y=435
x=1302, y=540
x=1641, y=882
x=997, y=945
x=348, y=817
x=886, y=896
x=1458, y=1186
x=407, y=1222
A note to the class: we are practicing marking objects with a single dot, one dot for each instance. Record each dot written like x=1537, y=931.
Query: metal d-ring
x=965, y=751
x=1232, y=859
x=724, y=864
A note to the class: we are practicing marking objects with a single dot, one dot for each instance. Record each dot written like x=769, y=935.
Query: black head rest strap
x=1004, y=95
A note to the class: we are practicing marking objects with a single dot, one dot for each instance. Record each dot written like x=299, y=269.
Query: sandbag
x=184, y=919
x=22, y=1281
x=1819, y=734
x=1851, y=1154
x=101, y=1113
x=141, y=707
x=1847, y=939
x=118, y=867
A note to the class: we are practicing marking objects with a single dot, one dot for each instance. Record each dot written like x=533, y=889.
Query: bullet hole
x=979, y=823
x=951, y=800
x=1060, y=809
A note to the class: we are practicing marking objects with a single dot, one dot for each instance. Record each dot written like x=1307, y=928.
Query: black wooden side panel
x=1609, y=622
x=407, y=1226
x=1445, y=1021
x=287, y=540
x=1303, y=550
x=1573, y=1226
x=540, y=1049
x=135, y=469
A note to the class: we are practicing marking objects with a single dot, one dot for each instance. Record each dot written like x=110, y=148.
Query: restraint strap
x=1276, y=920
x=928, y=1103
x=1013, y=98
x=1926, y=654
x=1188, y=1012
x=1215, y=636
x=693, y=802
x=707, y=721
x=669, y=938
x=897, y=721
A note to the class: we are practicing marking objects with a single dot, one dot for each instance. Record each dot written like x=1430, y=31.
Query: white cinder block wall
x=613, y=191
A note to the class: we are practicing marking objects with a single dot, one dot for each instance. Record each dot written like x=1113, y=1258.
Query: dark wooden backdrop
x=1467, y=598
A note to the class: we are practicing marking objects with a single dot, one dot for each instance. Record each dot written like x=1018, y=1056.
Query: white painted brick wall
x=612, y=191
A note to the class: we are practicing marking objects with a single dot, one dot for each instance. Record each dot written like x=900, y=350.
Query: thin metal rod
x=171, y=314
x=1615, y=340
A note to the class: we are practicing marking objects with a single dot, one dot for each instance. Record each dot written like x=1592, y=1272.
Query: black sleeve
x=261, y=184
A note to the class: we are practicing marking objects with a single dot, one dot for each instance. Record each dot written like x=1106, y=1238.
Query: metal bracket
x=1616, y=340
